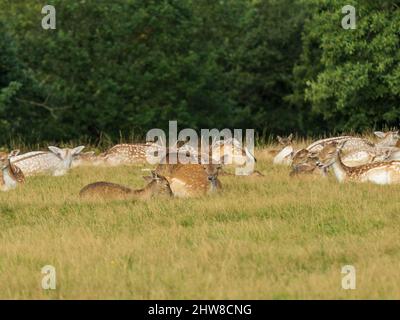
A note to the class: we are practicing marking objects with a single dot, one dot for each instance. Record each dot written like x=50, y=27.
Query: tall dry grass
x=272, y=237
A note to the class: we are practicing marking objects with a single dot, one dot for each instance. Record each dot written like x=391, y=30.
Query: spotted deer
x=377, y=172
x=157, y=186
x=138, y=153
x=352, y=143
x=54, y=162
x=357, y=158
x=11, y=175
x=127, y=154
x=387, y=140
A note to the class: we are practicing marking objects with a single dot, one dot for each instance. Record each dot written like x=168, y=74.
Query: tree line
x=119, y=68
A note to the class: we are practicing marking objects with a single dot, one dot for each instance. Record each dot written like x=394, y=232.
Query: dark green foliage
x=123, y=67
x=351, y=78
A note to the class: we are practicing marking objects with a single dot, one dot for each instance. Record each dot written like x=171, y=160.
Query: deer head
x=327, y=156
x=157, y=184
x=285, y=141
x=66, y=155
x=5, y=159
x=388, y=139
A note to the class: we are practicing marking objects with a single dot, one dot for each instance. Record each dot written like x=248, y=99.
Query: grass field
x=274, y=237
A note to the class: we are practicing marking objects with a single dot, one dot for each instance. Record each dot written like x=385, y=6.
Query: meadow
x=271, y=237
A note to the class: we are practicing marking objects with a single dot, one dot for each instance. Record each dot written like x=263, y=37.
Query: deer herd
x=349, y=158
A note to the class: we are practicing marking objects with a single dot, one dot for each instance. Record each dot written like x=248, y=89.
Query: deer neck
x=342, y=172
x=213, y=184
x=144, y=193
x=9, y=180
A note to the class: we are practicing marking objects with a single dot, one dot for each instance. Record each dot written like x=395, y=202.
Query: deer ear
x=279, y=138
x=77, y=150
x=14, y=153
x=290, y=138
x=379, y=134
x=154, y=175
x=55, y=150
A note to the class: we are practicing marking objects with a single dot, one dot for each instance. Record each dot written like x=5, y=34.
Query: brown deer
x=189, y=180
x=305, y=162
x=11, y=175
x=157, y=186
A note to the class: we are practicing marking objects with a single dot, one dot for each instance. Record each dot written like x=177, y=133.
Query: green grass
x=274, y=237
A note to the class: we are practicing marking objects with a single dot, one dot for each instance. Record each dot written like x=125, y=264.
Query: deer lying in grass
x=357, y=158
x=377, y=172
x=388, y=139
x=11, y=175
x=55, y=162
x=230, y=152
x=305, y=162
x=127, y=154
x=84, y=159
x=189, y=180
x=284, y=156
x=157, y=186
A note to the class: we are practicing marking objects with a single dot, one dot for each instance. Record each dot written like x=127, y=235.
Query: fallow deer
x=126, y=154
x=11, y=175
x=285, y=141
x=85, y=159
x=189, y=180
x=230, y=152
x=55, y=162
x=305, y=162
x=377, y=172
x=388, y=139
x=284, y=156
x=157, y=186
x=352, y=143
x=138, y=153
